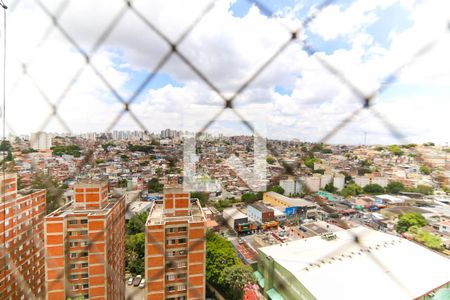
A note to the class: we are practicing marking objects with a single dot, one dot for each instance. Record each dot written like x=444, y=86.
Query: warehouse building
x=333, y=266
x=260, y=213
x=234, y=217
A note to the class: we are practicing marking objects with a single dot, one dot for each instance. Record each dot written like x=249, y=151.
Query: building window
x=75, y=287
x=182, y=229
x=181, y=264
x=182, y=252
x=181, y=241
x=73, y=255
x=72, y=266
x=84, y=275
x=84, y=265
x=72, y=222
x=170, y=242
x=170, y=288
x=83, y=254
x=170, y=277
x=170, y=230
x=85, y=286
x=75, y=276
x=181, y=287
x=83, y=232
x=171, y=253
x=83, y=221
x=182, y=276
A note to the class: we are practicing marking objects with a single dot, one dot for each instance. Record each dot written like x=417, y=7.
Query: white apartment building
x=40, y=141
x=339, y=181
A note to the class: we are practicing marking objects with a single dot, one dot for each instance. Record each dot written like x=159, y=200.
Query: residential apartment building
x=291, y=186
x=312, y=183
x=175, y=248
x=339, y=181
x=362, y=181
x=85, y=247
x=40, y=141
x=21, y=241
x=325, y=179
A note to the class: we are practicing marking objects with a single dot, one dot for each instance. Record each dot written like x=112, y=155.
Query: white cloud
x=228, y=50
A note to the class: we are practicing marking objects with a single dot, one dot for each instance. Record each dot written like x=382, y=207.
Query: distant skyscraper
x=175, y=248
x=40, y=141
x=85, y=249
x=22, y=273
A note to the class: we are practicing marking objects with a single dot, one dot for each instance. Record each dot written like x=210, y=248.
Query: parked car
x=130, y=281
x=137, y=280
x=142, y=284
x=240, y=241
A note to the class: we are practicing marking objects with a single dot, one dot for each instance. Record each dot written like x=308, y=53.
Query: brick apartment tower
x=21, y=241
x=85, y=245
x=175, y=248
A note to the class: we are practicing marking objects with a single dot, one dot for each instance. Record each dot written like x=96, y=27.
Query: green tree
x=137, y=223
x=248, y=198
x=270, y=160
x=425, y=170
x=319, y=171
x=408, y=220
x=203, y=197
x=233, y=280
x=124, y=157
x=277, y=189
x=424, y=189
x=396, y=150
x=364, y=170
x=373, y=189
x=317, y=147
x=351, y=189
x=154, y=186
x=309, y=162
x=395, y=187
x=135, y=252
x=348, y=177
x=259, y=195
x=219, y=255
x=5, y=146
x=123, y=183
x=55, y=191
x=329, y=187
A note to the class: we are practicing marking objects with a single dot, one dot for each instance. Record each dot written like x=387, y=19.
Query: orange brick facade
x=21, y=234
x=85, y=248
x=175, y=248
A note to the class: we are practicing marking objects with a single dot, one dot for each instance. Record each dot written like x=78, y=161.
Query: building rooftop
x=261, y=207
x=74, y=208
x=136, y=207
x=392, y=267
x=233, y=212
x=292, y=201
x=156, y=215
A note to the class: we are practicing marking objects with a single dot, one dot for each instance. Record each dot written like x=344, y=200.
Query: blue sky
x=363, y=39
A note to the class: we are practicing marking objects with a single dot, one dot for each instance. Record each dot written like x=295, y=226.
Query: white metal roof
x=339, y=269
